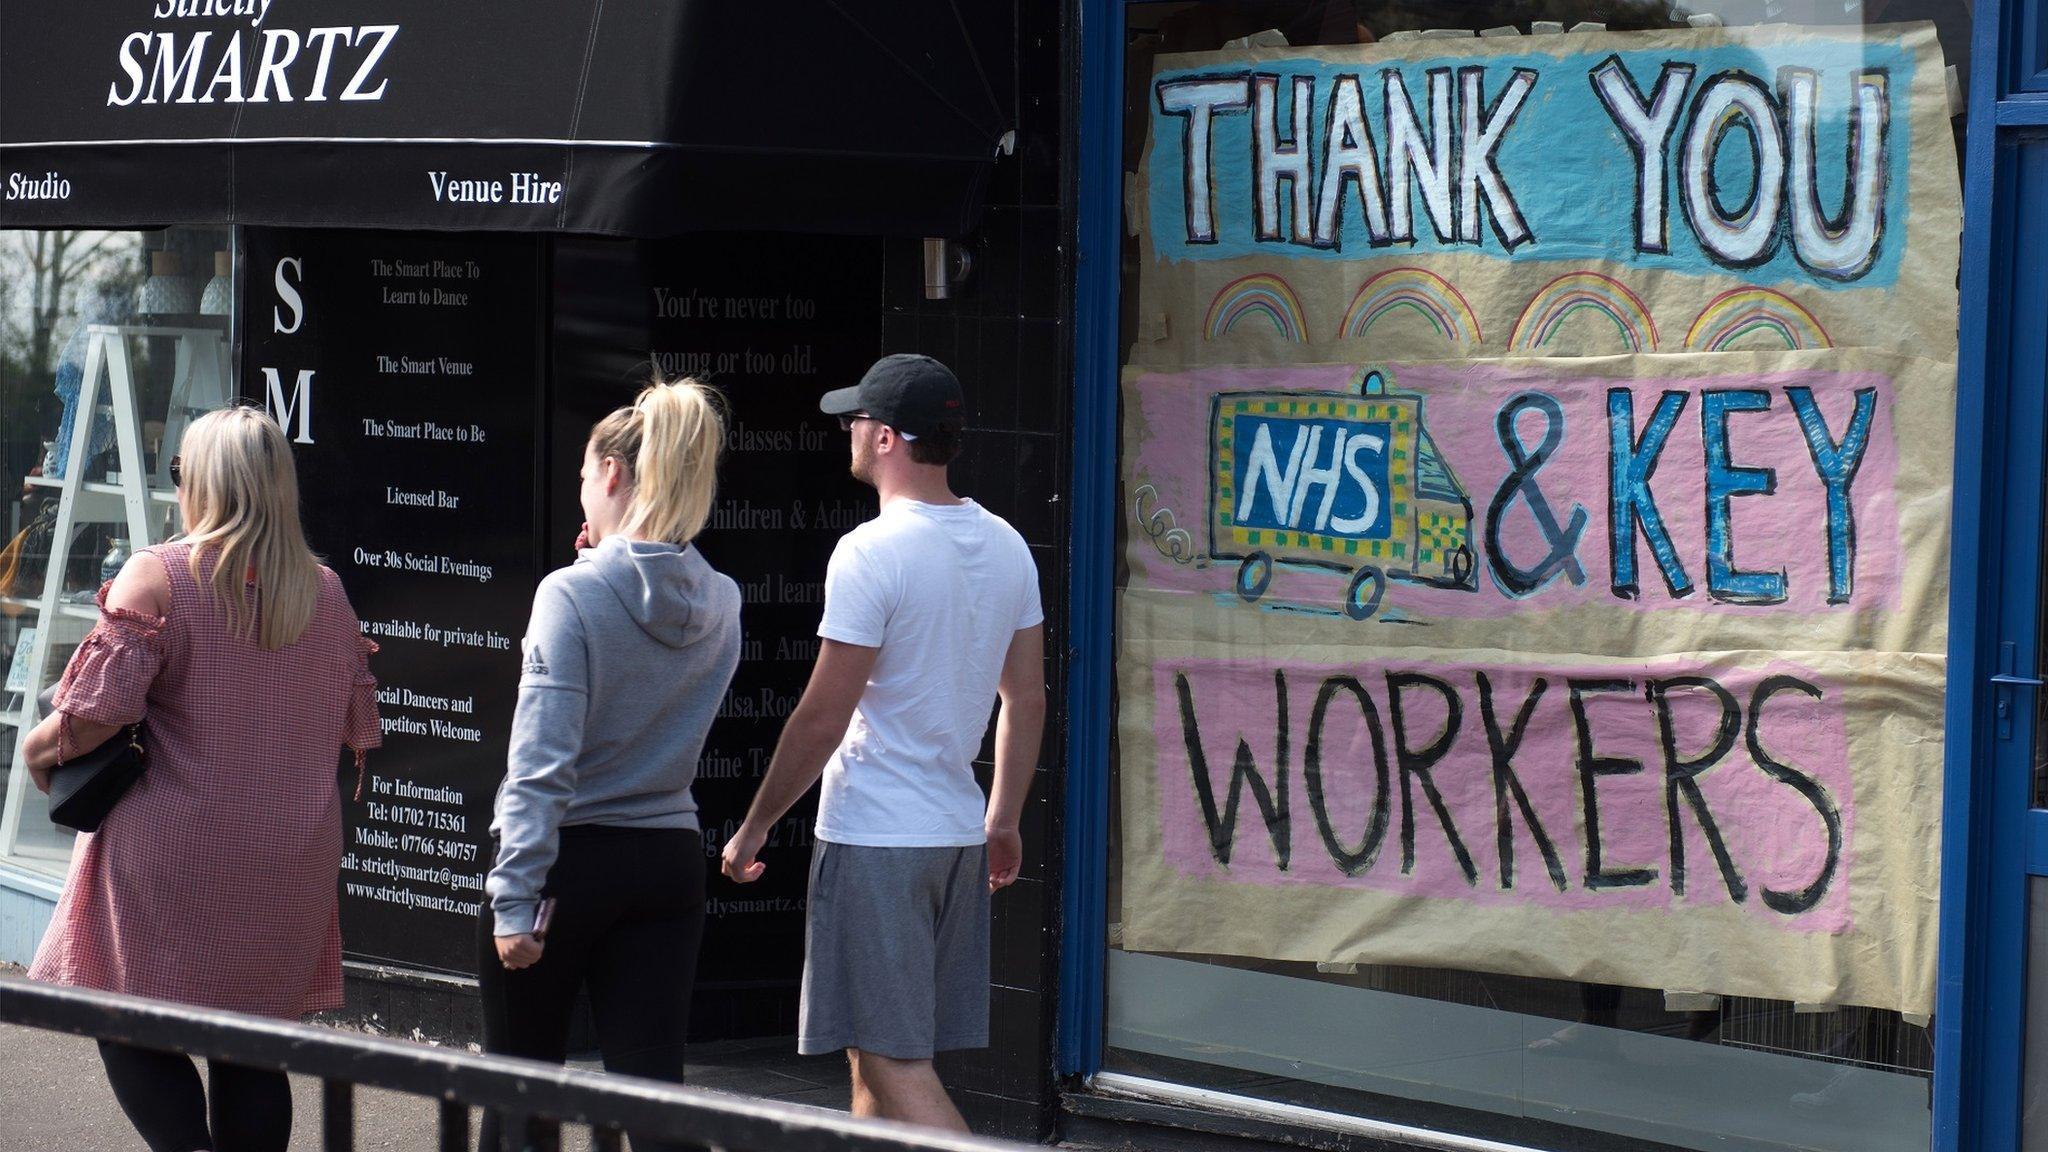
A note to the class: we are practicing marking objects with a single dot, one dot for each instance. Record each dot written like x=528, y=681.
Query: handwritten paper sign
x=1536, y=465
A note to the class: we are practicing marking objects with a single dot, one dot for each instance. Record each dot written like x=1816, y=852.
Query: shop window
x=1537, y=424
x=101, y=333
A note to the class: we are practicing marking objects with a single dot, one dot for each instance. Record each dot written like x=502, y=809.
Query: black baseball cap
x=915, y=395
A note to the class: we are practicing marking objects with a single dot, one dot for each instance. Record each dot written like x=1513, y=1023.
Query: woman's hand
x=521, y=950
x=583, y=536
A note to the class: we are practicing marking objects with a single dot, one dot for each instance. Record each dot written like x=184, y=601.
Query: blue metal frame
x=2015, y=367
x=1960, y=1007
x=2027, y=53
x=1995, y=842
x=1091, y=616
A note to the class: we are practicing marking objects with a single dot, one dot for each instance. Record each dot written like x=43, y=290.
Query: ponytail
x=672, y=437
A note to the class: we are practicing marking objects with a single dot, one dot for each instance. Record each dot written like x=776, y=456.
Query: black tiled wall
x=1008, y=337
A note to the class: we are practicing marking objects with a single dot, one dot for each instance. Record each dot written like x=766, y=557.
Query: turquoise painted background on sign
x=1566, y=160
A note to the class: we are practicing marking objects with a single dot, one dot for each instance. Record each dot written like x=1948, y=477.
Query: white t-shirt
x=940, y=589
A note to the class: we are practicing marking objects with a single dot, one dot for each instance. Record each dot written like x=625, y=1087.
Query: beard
x=863, y=466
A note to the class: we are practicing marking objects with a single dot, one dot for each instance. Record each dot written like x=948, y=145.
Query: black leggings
x=629, y=915
x=250, y=1110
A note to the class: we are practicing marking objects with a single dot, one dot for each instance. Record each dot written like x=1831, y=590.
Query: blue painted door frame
x=1091, y=614
x=1992, y=841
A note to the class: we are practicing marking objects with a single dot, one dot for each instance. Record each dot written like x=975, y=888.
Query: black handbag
x=86, y=787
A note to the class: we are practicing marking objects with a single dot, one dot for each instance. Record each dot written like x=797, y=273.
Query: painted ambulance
x=1339, y=481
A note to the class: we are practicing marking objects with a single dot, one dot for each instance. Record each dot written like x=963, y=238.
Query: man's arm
x=807, y=741
x=1020, y=724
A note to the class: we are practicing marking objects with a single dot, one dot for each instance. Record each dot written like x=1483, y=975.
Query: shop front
x=1544, y=502
x=1556, y=575
x=436, y=244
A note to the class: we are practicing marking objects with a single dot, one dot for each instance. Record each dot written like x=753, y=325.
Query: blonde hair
x=242, y=496
x=670, y=438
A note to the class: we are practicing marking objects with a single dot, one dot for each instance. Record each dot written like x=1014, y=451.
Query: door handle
x=2003, y=684
x=2002, y=691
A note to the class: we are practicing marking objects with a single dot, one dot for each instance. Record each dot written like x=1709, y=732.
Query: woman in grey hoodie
x=599, y=875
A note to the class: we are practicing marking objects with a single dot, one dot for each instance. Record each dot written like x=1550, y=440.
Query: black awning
x=617, y=117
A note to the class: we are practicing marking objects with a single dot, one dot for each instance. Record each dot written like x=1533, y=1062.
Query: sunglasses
x=846, y=421
x=177, y=468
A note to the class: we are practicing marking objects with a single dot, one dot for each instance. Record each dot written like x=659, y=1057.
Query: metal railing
x=537, y=1097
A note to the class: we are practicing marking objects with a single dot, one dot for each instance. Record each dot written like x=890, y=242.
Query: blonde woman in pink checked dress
x=212, y=880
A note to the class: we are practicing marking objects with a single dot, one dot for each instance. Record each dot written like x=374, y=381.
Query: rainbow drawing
x=1584, y=292
x=1416, y=290
x=1734, y=314
x=1260, y=294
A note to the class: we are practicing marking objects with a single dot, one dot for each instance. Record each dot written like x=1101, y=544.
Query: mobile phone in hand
x=543, y=917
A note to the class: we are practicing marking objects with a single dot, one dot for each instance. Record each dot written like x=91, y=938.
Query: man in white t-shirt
x=931, y=616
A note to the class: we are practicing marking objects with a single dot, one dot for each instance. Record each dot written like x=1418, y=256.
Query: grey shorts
x=895, y=951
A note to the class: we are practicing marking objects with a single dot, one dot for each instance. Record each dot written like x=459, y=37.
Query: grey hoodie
x=627, y=659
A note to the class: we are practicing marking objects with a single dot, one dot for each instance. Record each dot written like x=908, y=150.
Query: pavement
x=54, y=1096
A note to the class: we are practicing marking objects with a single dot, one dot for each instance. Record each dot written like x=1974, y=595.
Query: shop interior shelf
x=79, y=611
x=100, y=487
x=196, y=324
x=54, y=860
x=23, y=603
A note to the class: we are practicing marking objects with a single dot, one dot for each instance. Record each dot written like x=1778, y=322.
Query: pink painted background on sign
x=1784, y=530
x=1775, y=837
